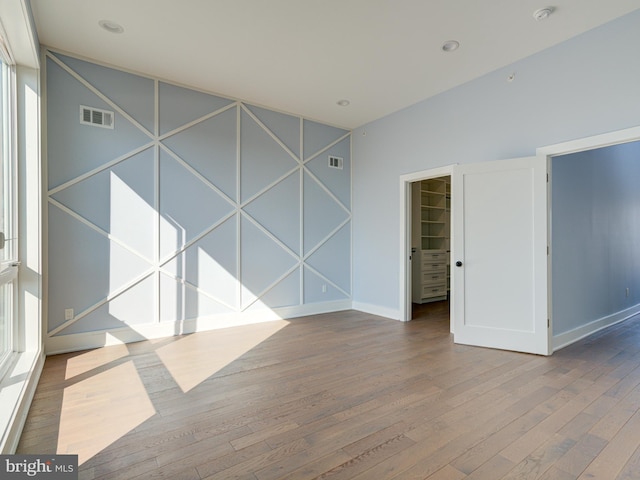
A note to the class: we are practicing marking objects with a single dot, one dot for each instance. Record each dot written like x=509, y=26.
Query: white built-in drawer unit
x=437, y=277
x=430, y=279
x=430, y=291
x=433, y=256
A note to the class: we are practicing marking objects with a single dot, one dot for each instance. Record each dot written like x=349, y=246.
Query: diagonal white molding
x=195, y=288
x=97, y=229
x=271, y=287
x=271, y=235
x=270, y=133
x=322, y=150
x=112, y=296
x=269, y=187
x=97, y=92
x=347, y=294
x=197, y=174
x=327, y=238
x=101, y=168
x=201, y=119
x=162, y=262
x=326, y=189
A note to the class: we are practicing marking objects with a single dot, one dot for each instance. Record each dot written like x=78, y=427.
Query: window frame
x=9, y=265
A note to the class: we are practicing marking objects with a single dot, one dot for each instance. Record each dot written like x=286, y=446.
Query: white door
x=499, y=256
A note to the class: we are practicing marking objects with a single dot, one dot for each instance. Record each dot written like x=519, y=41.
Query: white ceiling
x=302, y=56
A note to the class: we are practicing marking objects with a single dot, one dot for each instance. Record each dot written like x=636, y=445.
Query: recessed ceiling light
x=343, y=103
x=111, y=27
x=543, y=13
x=450, y=45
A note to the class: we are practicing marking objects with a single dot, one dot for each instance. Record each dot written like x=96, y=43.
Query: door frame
x=573, y=146
x=405, y=236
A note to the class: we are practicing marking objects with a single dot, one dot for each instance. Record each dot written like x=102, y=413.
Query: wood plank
x=617, y=453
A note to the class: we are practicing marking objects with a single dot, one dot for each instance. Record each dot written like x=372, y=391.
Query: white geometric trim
x=156, y=108
x=332, y=144
x=101, y=168
x=269, y=187
x=239, y=283
x=201, y=119
x=348, y=295
x=97, y=229
x=167, y=258
x=160, y=263
x=260, y=227
x=326, y=189
x=197, y=289
x=197, y=174
x=270, y=133
x=270, y=287
x=326, y=239
x=112, y=296
x=102, y=96
x=301, y=220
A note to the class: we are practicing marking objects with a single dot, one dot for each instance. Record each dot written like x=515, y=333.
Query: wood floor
x=343, y=396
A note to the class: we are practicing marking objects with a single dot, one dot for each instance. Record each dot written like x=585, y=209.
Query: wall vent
x=96, y=117
x=335, y=162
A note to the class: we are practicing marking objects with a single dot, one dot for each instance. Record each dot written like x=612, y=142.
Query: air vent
x=336, y=162
x=96, y=117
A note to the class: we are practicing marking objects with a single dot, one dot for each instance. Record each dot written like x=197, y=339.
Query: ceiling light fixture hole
x=543, y=13
x=343, y=103
x=111, y=27
x=450, y=45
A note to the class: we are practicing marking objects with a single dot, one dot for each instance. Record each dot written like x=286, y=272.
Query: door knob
x=458, y=263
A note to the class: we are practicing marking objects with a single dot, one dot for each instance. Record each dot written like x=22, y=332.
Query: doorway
x=407, y=239
x=430, y=246
x=592, y=300
x=498, y=295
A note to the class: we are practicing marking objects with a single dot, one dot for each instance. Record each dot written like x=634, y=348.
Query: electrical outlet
x=68, y=314
x=324, y=288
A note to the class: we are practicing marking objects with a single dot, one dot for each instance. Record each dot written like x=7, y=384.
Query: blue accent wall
x=595, y=234
x=193, y=206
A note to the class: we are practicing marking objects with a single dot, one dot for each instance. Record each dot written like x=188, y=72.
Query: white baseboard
x=391, y=313
x=567, y=338
x=16, y=397
x=137, y=333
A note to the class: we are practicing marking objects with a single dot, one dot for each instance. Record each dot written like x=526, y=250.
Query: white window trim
x=18, y=385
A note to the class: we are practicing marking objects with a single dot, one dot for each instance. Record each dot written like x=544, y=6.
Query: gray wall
x=194, y=206
x=585, y=86
x=595, y=234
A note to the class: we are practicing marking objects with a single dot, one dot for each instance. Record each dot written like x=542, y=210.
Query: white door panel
x=500, y=238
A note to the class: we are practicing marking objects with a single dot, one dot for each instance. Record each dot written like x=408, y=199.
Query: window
x=8, y=231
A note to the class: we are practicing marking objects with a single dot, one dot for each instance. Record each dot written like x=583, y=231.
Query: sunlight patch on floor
x=93, y=359
x=117, y=403
x=194, y=358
